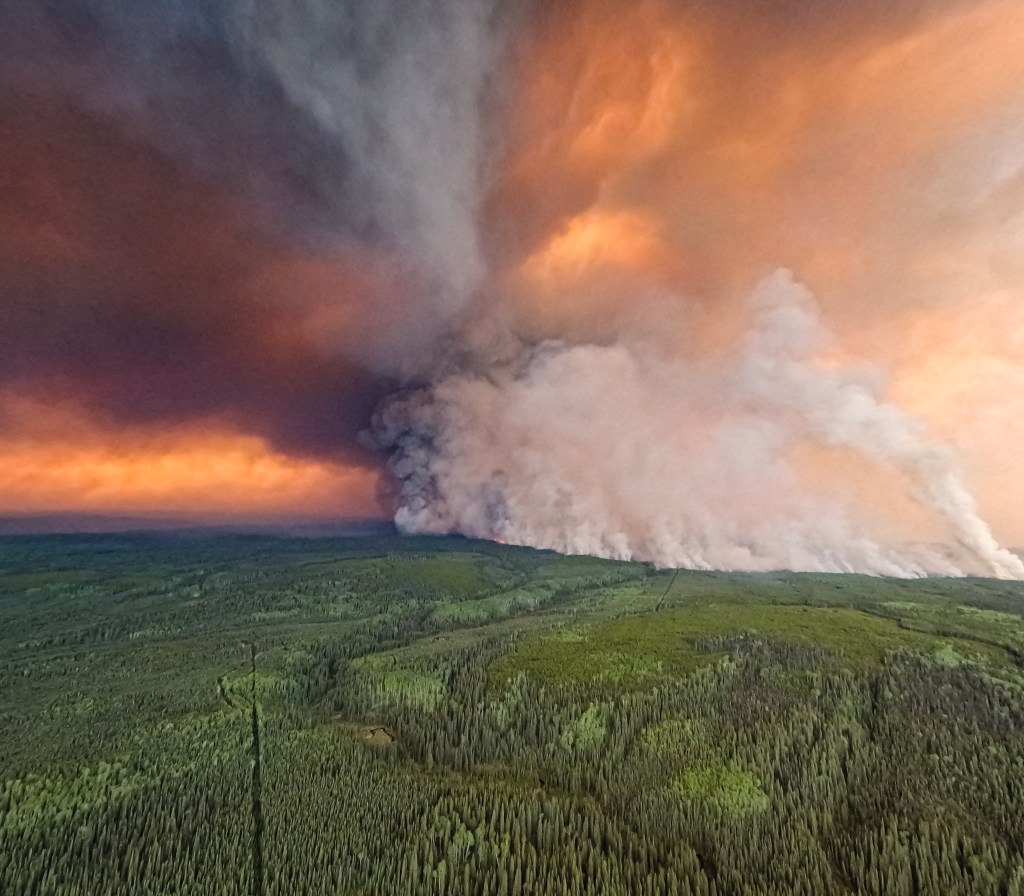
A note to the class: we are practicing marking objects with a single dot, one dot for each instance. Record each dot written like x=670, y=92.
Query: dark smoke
x=258, y=213
x=520, y=241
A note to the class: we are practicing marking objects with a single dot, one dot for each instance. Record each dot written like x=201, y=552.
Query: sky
x=718, y=284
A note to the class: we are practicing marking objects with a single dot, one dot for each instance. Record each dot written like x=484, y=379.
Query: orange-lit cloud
x=690, y=148
x=227, y=282
x=745, y=151
x=56, y=460
x=136, y=289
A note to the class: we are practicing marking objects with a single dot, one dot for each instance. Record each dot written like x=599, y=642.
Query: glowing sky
x=230, y=230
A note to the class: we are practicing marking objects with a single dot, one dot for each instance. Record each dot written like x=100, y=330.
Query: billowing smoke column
x=552, y=230
x=251, y=216
x=400, y=87
x=622, y=401
x=622, y=452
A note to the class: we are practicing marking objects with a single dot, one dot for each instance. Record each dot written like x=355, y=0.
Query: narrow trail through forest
x=661, y=602
x=257, y=791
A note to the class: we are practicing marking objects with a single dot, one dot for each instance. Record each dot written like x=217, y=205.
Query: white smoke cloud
x=401, y=87
x=622, y=451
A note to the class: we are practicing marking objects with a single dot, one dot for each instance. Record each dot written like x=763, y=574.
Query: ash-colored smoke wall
x=551, y=228
x=623, y=452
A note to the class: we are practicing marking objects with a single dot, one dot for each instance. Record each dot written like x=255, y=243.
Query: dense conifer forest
x=385, y=715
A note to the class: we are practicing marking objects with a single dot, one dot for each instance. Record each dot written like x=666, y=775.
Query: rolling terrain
x=401, y=715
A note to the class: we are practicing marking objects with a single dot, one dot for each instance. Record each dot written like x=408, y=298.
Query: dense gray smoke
x=249, y=215
x=622, y=451
x=356, y=131
x=401, y=87
x=262, y=217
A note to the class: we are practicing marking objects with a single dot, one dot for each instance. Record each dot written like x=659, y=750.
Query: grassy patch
x=588, y=730
x=390, y=685
x=495, y=607
x=466, y=612
x=638, y=647
x=239, y=686
x=983, y=634
x=46, y=800
x=728, y=789
x=413, y=688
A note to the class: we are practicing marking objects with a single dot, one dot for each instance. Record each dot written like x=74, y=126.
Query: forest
x=269, y=716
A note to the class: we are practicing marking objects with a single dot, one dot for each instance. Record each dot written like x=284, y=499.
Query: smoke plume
x=624, y=400
x=622, y=452
x=530, y=252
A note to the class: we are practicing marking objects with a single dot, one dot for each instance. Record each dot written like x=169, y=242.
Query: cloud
x=146, y=295
x=621, y=451
x=266, y=217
